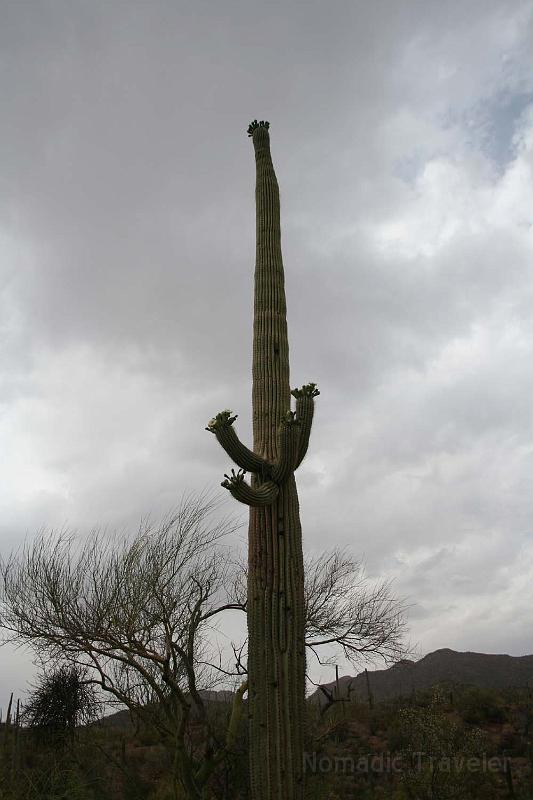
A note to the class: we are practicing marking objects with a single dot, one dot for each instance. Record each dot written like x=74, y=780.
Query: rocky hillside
x=442, y=666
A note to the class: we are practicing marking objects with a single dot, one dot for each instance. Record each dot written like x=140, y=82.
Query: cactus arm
x=287, y=446
x=263, y=495
x=222, y=427
x=236, y=714
x=304, y=413
x=209, y=765
x=305, y=407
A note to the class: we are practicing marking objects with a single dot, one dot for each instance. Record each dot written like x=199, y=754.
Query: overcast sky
x=402, y=135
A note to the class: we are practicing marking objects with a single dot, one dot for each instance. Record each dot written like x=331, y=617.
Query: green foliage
x=57, y=780
x=439, y=756
x=441, y=759
x=433, y=742
x=480, y=706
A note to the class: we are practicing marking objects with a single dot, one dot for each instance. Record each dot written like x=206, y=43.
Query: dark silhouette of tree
x=62, y=699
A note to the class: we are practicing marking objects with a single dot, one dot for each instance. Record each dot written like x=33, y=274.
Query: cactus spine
x=275, y=606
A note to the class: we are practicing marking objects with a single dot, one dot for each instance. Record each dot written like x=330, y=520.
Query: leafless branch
x=344, y=610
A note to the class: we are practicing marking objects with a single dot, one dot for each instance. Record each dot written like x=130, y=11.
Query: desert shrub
x=61, y=700
x=441, y=759
x=479, y=706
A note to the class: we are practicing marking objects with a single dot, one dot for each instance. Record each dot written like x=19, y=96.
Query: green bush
x=479, y=706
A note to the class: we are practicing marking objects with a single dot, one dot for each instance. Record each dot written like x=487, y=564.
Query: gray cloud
x=403, y=140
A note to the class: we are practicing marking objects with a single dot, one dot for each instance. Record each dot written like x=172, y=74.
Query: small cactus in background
x=10, y=753
x=275, y=607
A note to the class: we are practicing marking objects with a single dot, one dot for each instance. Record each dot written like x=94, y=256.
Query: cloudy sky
x=402, y=135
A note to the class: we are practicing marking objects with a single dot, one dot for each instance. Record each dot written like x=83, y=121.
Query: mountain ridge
x=484, y=670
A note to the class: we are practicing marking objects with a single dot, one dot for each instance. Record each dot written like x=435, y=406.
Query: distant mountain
x=442, y=666
x=122, y=719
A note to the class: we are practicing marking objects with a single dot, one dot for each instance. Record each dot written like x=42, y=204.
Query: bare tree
x=137, y=613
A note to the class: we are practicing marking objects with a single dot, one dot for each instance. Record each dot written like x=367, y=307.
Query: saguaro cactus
x=275, y=608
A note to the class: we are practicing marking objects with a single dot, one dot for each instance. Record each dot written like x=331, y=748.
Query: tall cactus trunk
x=276, y=624
x=275, y=605
x=271, y=394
